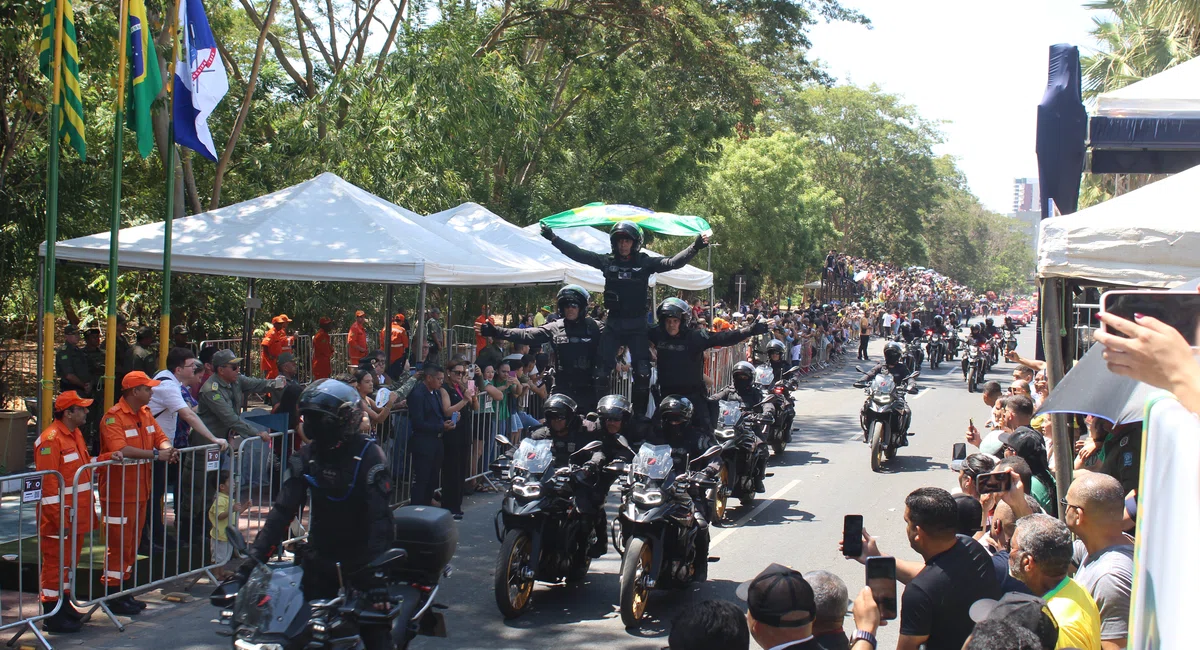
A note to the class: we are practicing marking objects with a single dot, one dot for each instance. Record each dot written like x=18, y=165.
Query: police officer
x=564, y=428
x=776, y=358
x=576, y=340
x=143, y=357
x=347, y=476
x=71, y=364
x=61, y=448
x=894, y=364
x=614, y=414
x=627, y=272
x=743, y=389
x=680, y=348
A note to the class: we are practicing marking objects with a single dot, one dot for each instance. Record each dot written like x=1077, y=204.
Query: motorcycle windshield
x=653, y=461
x=731, y=410
x=883, y=384
x=269, y=600
x=764, y=375
x=534, y=456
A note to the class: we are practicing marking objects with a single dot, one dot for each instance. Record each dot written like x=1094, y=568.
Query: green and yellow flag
x=145, y=81
x=71, y=117
x=601, y=214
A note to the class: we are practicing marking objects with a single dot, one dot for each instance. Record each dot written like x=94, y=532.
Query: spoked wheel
x=876, y=446
x=972, y=380
x=635, y=571
x=721, y=495
x=513, y=589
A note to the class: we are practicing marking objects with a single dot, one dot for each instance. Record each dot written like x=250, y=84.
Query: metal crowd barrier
x=113, y=545
x=259, y=471
x=21, y=503
x=1086, y=323
x=302, y=348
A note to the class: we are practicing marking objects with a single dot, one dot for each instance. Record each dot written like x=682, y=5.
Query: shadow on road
x=902, y=463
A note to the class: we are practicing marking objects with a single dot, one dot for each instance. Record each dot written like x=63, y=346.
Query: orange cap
x=282, y=318
x=360, y=313
x=324, y=320
x=137, y=378
x=68, y=399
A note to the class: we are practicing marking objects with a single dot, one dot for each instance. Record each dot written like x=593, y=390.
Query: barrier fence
x=1086, y=323
x=22, y=504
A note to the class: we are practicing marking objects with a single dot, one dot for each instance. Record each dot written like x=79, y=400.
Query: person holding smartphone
x=781, y=608
x=1152, y=352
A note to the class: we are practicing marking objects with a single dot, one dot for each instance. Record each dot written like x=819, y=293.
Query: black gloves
x=759, y=328
x=487, y=329
x=700, y=243
x=548, y=233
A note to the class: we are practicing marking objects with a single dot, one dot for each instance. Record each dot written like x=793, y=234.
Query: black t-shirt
x=938, y=600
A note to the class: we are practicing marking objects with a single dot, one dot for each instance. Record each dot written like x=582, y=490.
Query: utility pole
x=740, y=281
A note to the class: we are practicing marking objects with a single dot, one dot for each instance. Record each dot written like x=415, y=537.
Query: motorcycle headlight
x=528, y=490
x=724, y=434
x=648, y=497
x=242, y=644
x=883, y=399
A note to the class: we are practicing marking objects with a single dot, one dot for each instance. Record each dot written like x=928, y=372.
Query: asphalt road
x=823, y=476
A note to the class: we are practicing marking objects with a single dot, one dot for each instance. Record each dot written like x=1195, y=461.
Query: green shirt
x=1045, y=493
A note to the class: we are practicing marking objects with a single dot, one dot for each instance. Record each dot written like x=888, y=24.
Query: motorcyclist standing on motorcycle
x=893, y=363
x=673, y=427
x=564, y=429
x=346, y=475
x=576, y=341
x=627, y=272
x=743, y=389
x=680, y=348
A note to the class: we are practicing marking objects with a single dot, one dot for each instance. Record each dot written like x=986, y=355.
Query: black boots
x=61, y=622
x=126, y=605
x=600, y=544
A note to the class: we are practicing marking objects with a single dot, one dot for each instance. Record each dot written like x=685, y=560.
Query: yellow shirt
x=1077, y=615
x=539, y=319
x=218, y=527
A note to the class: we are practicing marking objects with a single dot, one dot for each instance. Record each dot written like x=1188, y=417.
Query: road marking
x=727, y=531
x=922, y=393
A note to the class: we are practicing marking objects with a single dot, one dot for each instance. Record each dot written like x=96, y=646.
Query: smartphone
x=512, y=373
x=1180, y=310
x=958, y=455
x=470, y=385
x=993, y=482
x=852, y=529
x=881, y=578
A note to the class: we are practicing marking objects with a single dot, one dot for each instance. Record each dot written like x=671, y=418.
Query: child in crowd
x=218, y=518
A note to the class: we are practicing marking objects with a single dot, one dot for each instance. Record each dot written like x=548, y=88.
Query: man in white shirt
x=781, y=609
x=169, y=407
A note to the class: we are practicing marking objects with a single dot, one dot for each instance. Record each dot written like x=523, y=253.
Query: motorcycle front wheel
x=721, y=496
x=876, y=446
x=513, y=590
x=635, y=569
x=972, y=380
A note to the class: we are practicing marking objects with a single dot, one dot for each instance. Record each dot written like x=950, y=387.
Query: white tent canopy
x=324, y=229
x=1173, y=93
x=1149, y=237
x=688, y=278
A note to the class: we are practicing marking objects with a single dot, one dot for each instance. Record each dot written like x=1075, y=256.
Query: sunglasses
x=232, y=366
x=555, y=416
x=458, y=372
x=1067, y=506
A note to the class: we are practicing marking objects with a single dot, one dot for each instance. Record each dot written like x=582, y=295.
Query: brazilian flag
x=145, y=82
x=70, y=124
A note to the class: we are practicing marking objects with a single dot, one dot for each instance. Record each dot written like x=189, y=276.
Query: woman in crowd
x=459, y=402
x=373, y=414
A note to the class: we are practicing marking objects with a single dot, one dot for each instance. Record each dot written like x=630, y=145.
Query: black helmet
x=743, y=369
x=1008, y=320
x=629, y=230
x=675, y=408
x=916, y=324
x=673, y=308
x=938, y=320
x=330, y=411
x=975, y=328
x=774, y=346
x=572, y=294
x=892, y=353
x=615, y=407
x=989, y=321
x=906, y=326
x=559, y=404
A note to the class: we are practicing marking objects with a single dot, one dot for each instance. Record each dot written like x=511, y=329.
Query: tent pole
x=247, y=324
x=1051, y=326
x=41, y=340
x=385, y=334
x=712, y=289
x=654, y=302
x=448, y=327
x=418, y=344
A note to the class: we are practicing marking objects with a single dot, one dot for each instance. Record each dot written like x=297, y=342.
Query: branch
x=223, y=164
x=280, y=55
x=230, y=62
x=310, y=86
x=312, y=29
x=391, y=37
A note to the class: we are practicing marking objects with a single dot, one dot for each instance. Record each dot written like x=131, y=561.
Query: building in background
x=1026, y=208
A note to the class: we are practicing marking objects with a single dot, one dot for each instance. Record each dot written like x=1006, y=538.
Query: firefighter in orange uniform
x=130, y=429
x=356, y=343
x=396, y=347
x=275, y=343
x=322, y=350
x=61, y=448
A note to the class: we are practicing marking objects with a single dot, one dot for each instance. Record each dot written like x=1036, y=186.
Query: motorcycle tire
x=972, y=380
x=581, y=563
x=778, y=447
x=876, y=446
x=639, y=555
x=513, y=592
x=721, y=496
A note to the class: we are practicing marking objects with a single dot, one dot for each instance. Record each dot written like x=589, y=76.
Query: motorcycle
x=741, y=453
x=883, y=422
x=656, y=530
x=779, y=393
x=952, y=344
x=1009, y=340
x=914, y=354
x=269, y=611
x=994, y=349
x=543, y=537
x=935, y=347
x=973, y=365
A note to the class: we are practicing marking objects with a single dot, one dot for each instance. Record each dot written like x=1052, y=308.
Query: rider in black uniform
x=743, y=389
x=680, y=348
x=567, y=435
x=346, y=475
x=627, y=272
x=894, y=364
x=576, y=341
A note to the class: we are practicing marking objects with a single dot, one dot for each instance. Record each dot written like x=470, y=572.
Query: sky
x=980, y=68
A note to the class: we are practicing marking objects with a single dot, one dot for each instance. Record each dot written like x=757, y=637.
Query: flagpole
x=164, y=324
x=114, y=222
x=45, y=404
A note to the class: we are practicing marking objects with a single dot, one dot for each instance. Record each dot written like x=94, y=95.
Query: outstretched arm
x=578, y=254
x=729, y=337
x=659, y=264
x=531, y=335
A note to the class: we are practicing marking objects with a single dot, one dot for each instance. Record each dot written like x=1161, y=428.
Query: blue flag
x=200, y=80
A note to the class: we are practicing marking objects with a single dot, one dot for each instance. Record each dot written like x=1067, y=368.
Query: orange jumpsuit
x=275, y=343
x=64, y=451
x=480, y=341
x=322, y=355
x=125, y=489
x=398, y=345
x=356, y=344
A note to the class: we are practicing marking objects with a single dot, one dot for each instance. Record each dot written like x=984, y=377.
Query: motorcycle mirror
x=712, y=451
x=791, y=372
x=859, y=369
x=915, y=375
x=236, y=540
x=588, y=447
x=624, y=443
x=503, y=440
x=387, y=557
